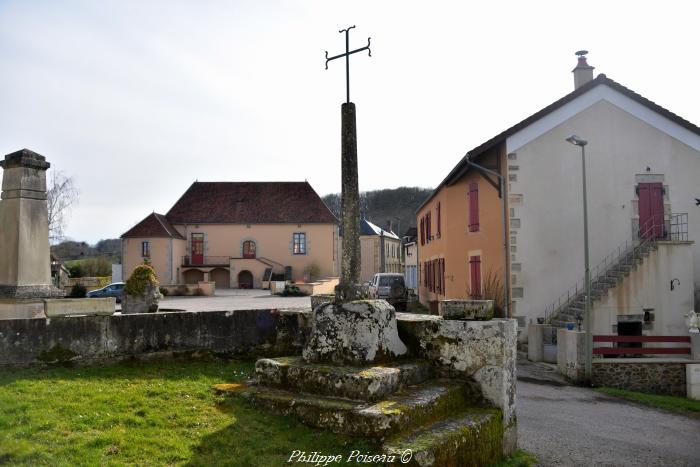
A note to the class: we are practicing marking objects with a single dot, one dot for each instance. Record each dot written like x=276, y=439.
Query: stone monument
x=25, y=274
x=450, y=402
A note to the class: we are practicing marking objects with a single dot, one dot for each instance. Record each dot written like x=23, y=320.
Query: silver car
x=391, y=287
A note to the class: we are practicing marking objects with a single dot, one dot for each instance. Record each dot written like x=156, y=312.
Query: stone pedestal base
x=21, y=308
x=355, y=333
x=13, y=292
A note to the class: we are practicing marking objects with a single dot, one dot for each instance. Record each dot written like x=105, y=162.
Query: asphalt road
x=568, y=425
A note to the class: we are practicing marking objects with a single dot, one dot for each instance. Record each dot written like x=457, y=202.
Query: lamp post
x=580, y=142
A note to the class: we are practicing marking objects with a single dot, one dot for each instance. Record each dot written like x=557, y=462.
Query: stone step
x=368, y=383
x=410, y=407
x=470, y=439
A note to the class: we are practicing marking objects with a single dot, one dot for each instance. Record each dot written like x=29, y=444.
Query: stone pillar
x=350, y=208
x=25, y=271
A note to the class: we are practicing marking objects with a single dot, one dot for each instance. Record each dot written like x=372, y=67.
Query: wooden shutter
x=442, y=276
x=475, y=274
x=422, y=231
x=428, y=225
x=439, y=227
x=473, y=207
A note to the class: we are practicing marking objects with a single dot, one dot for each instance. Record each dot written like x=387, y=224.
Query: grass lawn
x=155, y=413
x=152, y=413
x=672, y=403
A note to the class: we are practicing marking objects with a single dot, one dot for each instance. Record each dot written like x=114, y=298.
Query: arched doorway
x=192, y=276
x=221, y=277
x=245, y=280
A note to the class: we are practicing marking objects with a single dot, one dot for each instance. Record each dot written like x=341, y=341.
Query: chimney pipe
x=583, y=72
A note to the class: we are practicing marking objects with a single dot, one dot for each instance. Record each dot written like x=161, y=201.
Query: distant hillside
x=382, y=206
x=71, y=250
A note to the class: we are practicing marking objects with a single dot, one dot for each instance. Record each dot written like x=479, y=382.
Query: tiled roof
x=154, y=225
x=459, y=169
x=250, y=203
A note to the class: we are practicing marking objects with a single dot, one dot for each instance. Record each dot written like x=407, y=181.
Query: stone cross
x=349, y=289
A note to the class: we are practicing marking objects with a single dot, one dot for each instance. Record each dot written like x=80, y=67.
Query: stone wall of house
x=84, y=338
x=662, y=377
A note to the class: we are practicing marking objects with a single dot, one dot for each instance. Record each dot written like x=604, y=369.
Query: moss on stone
x=475, y=439
x=56, y=354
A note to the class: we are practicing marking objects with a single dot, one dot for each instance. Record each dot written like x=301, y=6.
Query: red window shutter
x=422, y=232
x=428, y=227
x=438, y=285
x=439, y=227
x=425, y=273
x=442, y=275
x=473, y=207
x=475, y=269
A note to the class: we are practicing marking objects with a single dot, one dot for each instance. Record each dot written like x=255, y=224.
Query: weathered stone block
x=145, y=303
x=79, y=306
x=355, y=333
x=408, y=408
x=481, y=351
x=466, y=309
x=21, y=309
x=320, y=299
x=365, y=383
x=472, y=439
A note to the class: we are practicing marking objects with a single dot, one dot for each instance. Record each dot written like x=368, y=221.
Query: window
x=299, y=243
x=475, y=276
x=249, y=249
x=422, y=231
x=439, y=230
x=146, y=249
x=473, y=207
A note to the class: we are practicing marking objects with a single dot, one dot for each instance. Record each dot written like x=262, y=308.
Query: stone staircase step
x=409, y=407
x=470, y=439
x=368, y=383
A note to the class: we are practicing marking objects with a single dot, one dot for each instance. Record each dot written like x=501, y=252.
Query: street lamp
x=580, y=142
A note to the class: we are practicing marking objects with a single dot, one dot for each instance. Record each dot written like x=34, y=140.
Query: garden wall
x=661, y=376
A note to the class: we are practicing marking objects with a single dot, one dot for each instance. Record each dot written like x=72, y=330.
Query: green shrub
x=74, y=269
x=140, y=278
x=292, y=291
x=163, y=291
x=78, y=291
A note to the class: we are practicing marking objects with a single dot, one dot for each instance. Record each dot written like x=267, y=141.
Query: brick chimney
x=583, y=72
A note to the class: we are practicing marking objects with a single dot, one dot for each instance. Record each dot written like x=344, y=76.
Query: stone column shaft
x=350, y=205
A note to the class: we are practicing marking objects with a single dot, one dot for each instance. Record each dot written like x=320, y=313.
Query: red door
x=651, y=210
x=197, y=248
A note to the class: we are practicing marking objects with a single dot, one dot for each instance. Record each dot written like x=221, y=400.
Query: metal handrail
x=645, y=235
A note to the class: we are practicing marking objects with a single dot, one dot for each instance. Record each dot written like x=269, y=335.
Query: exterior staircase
x=615, y=267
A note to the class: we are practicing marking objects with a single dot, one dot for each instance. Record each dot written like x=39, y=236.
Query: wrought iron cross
x=347, y=54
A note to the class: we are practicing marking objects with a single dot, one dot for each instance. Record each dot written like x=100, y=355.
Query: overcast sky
x=137, y=99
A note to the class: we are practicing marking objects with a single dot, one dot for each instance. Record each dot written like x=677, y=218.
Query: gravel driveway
x=568, y=425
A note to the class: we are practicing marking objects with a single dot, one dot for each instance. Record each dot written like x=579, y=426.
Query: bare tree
x=61, y=195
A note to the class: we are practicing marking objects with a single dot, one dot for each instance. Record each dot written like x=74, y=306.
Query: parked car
x=115, y=290
x=391, y=287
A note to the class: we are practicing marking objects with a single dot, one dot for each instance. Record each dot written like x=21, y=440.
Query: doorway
x=245, y=280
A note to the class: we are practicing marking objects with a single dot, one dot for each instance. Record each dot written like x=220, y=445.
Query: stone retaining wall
x=41, y=340
x=661, y=377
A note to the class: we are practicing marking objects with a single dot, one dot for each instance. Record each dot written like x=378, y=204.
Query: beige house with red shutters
x=237, y=234
x=642, y=171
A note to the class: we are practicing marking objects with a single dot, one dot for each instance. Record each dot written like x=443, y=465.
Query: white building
x=642, y=168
